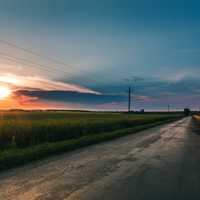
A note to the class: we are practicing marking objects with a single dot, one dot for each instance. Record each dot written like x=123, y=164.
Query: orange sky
x=15, y=83
x=26, y=102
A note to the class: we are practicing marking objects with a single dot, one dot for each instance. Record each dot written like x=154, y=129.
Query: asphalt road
x=160, y=163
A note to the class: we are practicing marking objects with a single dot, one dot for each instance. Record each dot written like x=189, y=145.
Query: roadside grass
x=14, y=154
x=196, y=124
x=196, y=117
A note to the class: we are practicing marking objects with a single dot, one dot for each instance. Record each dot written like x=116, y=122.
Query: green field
x=27, y=136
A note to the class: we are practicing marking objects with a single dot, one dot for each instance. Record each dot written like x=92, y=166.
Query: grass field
x=27, y=136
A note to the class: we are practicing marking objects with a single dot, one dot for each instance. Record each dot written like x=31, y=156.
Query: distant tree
x=187, y=111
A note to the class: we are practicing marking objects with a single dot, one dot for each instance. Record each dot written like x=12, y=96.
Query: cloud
x=75, y=97
x=40, y=93
x=179, y=75
x=144, y=99
x=22, y=99
x=35, y=83
x=26, y=102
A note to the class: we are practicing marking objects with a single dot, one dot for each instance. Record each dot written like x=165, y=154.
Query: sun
x=4, y=92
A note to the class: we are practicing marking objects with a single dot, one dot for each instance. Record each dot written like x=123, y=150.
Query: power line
x=20, y=62
x=30, y=51
x=31, y=63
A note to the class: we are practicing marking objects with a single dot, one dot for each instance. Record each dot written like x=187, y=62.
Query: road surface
x=159, y=163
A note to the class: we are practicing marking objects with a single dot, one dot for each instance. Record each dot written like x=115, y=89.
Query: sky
x=75, y=54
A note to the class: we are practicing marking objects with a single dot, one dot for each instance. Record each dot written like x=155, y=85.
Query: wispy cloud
x=32, y=83
x=143, y=98
x=179, y=75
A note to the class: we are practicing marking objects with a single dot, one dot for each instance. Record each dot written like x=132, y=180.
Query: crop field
x=31, y=135
x=22, y=129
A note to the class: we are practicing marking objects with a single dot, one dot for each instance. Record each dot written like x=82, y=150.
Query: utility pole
x=129, y=99
x=129, y=94
x=134, y=79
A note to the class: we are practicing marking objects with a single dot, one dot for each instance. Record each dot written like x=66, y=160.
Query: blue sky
x=105, y=42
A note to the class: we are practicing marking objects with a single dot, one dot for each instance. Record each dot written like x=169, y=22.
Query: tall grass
x=25, y=129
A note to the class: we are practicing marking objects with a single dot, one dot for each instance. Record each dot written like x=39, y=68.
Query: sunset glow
x=4, y=92
x=85, y=61
x=8, y=79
